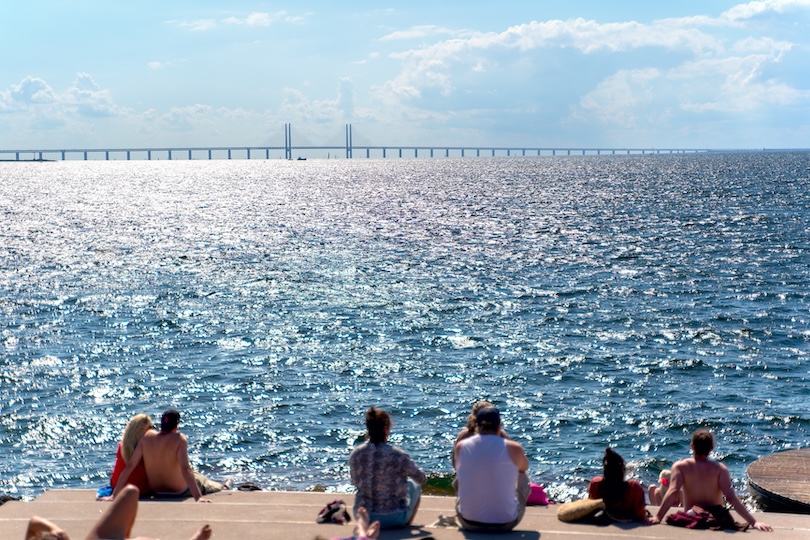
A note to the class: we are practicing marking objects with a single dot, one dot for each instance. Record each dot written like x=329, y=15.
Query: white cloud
x=257, y=19
x=754, y=9
x=765, y=45
x=419, y=32
x=437, y=65
x=30, y=91
x=345, y=98
x=185, y=118
x=617, y=99
x=737, y=86
x=88, y=99
x=200, y=25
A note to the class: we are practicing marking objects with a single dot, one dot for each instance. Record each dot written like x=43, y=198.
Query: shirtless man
x=115, y=523
x=704, y=483
x=165, y=458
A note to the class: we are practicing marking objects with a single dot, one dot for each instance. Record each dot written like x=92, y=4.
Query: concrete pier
x=781, y=481
x=269, y=515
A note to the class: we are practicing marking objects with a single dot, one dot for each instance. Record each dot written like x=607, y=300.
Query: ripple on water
x=622, y=301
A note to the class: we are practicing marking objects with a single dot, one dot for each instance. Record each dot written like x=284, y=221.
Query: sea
x=597, y=301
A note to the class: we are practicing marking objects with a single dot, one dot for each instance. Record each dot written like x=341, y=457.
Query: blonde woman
x=139, y=426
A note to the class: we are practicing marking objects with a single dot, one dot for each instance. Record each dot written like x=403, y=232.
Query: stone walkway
x=275, y=515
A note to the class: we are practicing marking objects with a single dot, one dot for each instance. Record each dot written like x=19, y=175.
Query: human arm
x=412, y=470
x=731, y=497
x=594, y=488
x=671, y=498
x=518, y=455
x=134, y=459
x=456, y=450
x=187, y=471
x=42, y=529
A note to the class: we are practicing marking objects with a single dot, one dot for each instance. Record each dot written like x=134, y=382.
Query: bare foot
x=362, y=520
x=204, y=533
x=42, y=529
x=373, y=530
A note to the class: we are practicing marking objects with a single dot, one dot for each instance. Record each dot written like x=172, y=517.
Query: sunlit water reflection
x=596, y=300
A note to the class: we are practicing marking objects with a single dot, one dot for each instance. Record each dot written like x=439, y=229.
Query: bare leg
x=652, y=493
x=39, y=528
x=364, y=528
x=203, y=534
x=116, y=522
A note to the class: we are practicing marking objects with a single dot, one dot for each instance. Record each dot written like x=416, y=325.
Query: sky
x=582, y=73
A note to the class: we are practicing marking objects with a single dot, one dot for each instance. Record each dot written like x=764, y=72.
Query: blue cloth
x=105, y=491
x=399, y=519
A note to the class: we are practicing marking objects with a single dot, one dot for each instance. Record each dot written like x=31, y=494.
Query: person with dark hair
x=705, y=483
x=388, y=481
x=471, y=427
x=492, y=485
x=624, y=499
x=165, y=458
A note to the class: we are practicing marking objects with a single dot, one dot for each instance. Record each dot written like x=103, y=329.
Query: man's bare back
x=164, y=458
x=704, y=483
x=700, y=481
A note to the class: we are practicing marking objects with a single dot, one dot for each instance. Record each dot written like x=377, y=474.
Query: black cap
x=488, y=415
x=169, y=420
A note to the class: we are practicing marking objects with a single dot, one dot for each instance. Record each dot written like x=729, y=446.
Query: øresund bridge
x=350, y=145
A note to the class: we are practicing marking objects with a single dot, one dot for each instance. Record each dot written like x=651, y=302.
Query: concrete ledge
x=279, y=515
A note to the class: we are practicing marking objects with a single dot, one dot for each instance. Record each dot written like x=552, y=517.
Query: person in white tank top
x=492, y=485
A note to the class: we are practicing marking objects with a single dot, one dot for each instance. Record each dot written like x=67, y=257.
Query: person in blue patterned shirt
x=388, y=481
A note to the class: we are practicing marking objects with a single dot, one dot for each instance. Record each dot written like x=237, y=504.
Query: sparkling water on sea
x=619, y=301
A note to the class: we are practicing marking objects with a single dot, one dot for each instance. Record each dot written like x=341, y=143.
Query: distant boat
x=301, y=158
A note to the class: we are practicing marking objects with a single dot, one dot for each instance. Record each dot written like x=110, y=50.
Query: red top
x=137, y=478
x=633, y=506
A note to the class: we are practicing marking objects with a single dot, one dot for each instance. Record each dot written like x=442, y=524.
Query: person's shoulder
x=359, y=447
x=635, y=484
x=682, y=463
x=397, y=450
x=513, y=444
x=463, y=434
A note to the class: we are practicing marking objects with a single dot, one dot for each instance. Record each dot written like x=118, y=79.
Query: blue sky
x=687, y=74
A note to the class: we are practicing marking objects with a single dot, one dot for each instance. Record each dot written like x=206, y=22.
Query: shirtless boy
x=704, y=483
x=115, y=524
x=165, y=458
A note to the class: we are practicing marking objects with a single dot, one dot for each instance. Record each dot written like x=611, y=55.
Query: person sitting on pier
x=139, y=426
x=491, y=477
x=624, y=499
x=472, y=425
x=165, y=457
x=657, y=493
x=114, y=524
x=387, y=479
x=704, y=483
